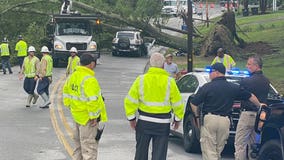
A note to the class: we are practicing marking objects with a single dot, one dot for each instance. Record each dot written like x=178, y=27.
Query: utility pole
x=189, y=36
x=207, y=14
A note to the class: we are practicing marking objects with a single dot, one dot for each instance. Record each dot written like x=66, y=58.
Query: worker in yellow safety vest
x=155, y=96
x=5, y=55
x=82, y=94
x=30, y=70
x=226, y=59
x=21, y=50
x=73, y=61
x=45, y=76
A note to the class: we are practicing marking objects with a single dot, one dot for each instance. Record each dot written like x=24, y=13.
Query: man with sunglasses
x=217, y=98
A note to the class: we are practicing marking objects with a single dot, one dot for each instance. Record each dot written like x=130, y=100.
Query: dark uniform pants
x=43, y=86
x=29, y=85
x=159, y=146
x=6, y=62
x=21, y=61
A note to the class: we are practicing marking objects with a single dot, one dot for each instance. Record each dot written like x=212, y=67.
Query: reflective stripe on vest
x=154, y=104
x=82, y=97
x=227, y=62
x=132, y=99
x=155, y=120
x=5, y=49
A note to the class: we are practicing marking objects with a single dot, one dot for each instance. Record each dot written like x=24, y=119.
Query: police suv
x=188, y=85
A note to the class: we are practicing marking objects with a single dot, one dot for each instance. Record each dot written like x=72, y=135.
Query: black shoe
x=10, y=72
x=43, y=107
x=4, y=73
x=28, y=106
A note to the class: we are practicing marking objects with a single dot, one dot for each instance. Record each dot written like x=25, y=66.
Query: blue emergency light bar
x=208, y=69
x=237, y=71
x=233, y=71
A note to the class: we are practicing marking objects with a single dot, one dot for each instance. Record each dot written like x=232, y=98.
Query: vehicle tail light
x=237, y=105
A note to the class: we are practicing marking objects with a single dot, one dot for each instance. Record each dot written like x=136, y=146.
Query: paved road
x=176, y=22
x=45, y=134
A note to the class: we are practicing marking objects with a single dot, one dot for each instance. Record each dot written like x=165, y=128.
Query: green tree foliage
x=147, y=9
x=34, y=34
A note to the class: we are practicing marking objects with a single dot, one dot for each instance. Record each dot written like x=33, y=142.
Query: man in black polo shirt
x=217, y=97
x=257, y=84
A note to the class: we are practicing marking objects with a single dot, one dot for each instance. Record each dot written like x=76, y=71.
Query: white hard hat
x=31, y=49
x=44, y=49
x=73, y=49
x=5, y=40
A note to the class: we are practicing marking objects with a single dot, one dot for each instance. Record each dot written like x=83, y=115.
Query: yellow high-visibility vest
x=82, y=94
x=30, y=69
x=49, y=66
x=228, y=61
x=4, y=47
x=22, y=48
x=73, y=62
x=154, y=92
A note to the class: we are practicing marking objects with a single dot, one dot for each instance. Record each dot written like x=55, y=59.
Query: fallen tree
x=150, y=30
x=223, y=35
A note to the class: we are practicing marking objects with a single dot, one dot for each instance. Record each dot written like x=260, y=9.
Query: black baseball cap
x=218, y=67
x=87, y=58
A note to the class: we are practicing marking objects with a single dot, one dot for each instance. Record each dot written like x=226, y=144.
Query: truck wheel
x=190, y=139
x=114, y=53
x=139, y=52
x=271, y=150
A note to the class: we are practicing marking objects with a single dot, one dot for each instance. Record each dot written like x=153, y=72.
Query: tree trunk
x=263, y=5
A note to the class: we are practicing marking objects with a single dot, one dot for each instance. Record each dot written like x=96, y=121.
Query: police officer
x=21, y=50
x=5, y=56
x=154, y=95
x=217, y=97
x=257, y=84
x=73, y=61
x=45, y=76
x=226, y=59
x=82, y=94
x=30, y=69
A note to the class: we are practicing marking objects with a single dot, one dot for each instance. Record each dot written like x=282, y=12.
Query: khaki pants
x=86, y=147
x=245, y=135
x=213, y=136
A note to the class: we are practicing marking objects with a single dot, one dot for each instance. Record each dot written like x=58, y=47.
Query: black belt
x=214, y=113
x=249, y=109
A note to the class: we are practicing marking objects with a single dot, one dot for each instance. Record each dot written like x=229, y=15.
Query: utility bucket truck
x=70, y=29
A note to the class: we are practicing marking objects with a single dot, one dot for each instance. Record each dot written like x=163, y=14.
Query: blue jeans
x=29, y=85
x=6, y=62
x=21, y=61
x=43, y=86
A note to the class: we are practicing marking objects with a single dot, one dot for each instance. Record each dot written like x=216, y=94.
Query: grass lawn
x=266, y=28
